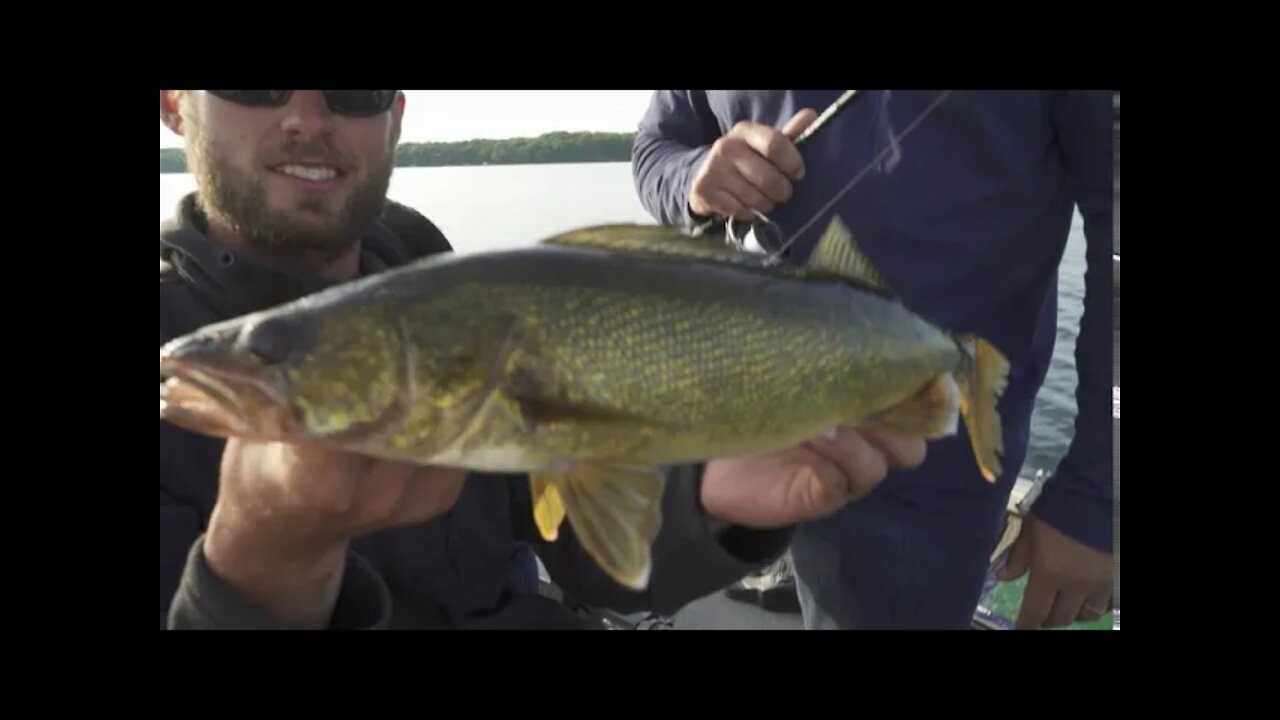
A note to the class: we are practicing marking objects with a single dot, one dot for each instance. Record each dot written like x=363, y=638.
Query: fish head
x=299, y=373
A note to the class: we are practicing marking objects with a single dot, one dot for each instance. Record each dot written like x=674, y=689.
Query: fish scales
x=697, y=357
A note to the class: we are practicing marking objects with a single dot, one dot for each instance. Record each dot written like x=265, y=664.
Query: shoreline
x=185, y=171
x=555, y=148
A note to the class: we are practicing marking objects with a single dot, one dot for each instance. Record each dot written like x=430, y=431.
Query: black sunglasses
x=353, y=103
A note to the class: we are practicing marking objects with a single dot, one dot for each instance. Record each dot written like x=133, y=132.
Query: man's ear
x=170, y=113
x=397, y=117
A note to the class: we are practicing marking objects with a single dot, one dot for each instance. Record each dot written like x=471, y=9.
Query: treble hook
x=767, y=233
x=771, y=229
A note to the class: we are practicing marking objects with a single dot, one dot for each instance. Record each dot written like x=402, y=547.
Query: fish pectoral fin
x=615, y=512
x=932, y=413
x=541, y=400
x=548, y=506
x=544, y=411
x=838, y=253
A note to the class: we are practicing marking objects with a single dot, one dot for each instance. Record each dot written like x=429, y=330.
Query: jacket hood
x=237, y=282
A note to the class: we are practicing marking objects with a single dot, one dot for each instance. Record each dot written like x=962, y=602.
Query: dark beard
x=240, y=202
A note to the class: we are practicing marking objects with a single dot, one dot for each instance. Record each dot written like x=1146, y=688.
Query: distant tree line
x=556, y=147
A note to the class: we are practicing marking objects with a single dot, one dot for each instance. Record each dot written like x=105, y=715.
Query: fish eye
x=273, y=340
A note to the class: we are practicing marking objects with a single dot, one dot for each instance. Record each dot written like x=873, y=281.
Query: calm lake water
x=484, y=208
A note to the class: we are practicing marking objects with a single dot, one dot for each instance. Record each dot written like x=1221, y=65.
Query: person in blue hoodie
x=964, y=207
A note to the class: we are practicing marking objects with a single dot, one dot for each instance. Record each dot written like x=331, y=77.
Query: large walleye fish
x=589, y=361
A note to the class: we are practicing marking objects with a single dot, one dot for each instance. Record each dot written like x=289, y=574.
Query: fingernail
x=833, y=434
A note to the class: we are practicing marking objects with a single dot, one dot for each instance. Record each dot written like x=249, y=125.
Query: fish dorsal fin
x=654, y=240
x=838, y=253
x=617, y=235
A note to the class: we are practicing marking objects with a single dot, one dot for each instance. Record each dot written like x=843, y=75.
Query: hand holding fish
x=285, y=513
x=808, y=481
x=1069, y=581
x=751, y=167
x=588, y=362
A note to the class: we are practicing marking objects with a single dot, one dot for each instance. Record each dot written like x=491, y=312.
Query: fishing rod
x=719, y=223
x=767, y=233
x=900, y=137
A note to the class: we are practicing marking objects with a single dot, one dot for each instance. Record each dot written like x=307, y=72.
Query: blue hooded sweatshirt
x=967, y=218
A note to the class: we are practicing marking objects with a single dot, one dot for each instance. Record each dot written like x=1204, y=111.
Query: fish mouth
x=221, y=401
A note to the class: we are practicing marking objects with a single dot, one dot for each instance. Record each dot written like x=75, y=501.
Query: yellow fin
x=932, y=413
x=987, y=377
x=838, y=253
x=615, y=512
x=548, y=506
x=654, y=240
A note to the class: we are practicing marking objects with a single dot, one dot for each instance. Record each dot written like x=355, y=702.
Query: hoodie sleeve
x=694, y=555
x=204, y=601
x=192, y=596
x=179, y=528
x=674, y=136
x=1078, y=499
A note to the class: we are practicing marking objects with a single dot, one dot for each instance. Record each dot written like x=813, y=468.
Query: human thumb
x=1019, y=560
x=799, y=122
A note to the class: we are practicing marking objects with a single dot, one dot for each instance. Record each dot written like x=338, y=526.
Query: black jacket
x=455, y=571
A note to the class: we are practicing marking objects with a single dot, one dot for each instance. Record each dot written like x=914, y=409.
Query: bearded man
x=291, y=199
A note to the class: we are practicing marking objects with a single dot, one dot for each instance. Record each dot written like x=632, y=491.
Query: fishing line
x=894, y=142
x=727, y=223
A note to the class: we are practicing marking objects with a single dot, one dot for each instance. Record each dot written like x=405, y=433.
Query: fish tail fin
x=615, y=512
x=982, y=383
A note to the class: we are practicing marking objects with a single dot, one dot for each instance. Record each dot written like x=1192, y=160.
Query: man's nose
x=307, y=115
